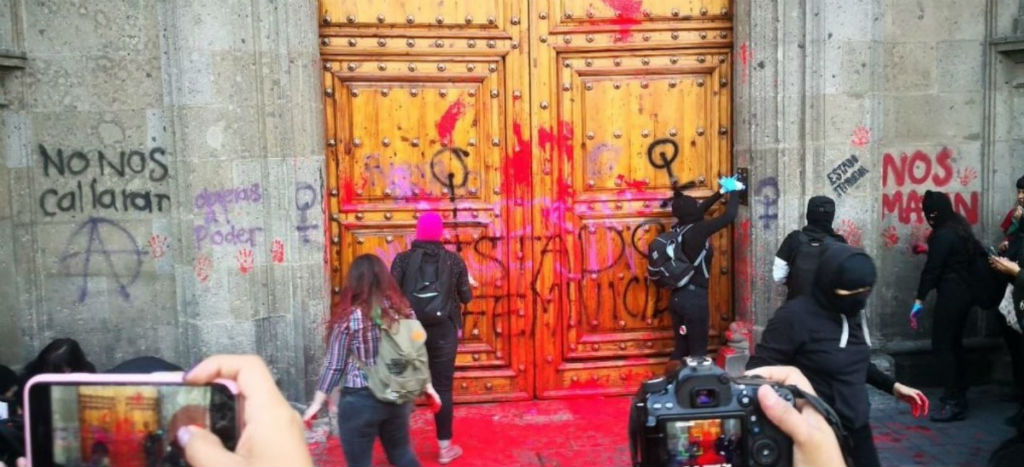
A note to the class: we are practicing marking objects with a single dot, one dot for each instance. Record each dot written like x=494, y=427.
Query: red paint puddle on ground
x=920, y=429
x=888, y=438
x=446, y=125
x=627, y=15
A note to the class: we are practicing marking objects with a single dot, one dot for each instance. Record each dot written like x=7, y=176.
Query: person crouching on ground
x=824, y=333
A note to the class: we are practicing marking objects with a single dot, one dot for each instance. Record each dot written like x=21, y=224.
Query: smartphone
x=992, y=251
x=129, y=420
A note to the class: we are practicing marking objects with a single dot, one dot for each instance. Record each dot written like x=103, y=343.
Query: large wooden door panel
x=422, y=98
x=548, y=133
x=640, y=101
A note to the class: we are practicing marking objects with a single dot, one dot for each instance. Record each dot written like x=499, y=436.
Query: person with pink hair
x=437, y=284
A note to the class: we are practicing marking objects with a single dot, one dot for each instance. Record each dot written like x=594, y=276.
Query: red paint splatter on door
x=446, y=125
x=627, y=15
x=516, y=176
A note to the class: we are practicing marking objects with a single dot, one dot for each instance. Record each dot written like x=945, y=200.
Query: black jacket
x=456, y=281
x=948, y=257
x=806, y=335
x=696, y=238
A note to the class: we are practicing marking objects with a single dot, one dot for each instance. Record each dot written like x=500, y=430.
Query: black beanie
x=856, y=272
x=1020, y=183
x=937, y=208
x=821, y=211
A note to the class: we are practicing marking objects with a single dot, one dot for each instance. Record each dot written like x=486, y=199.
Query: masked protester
x=689, y=305
x=950, y=248
x=824, y=333
x=798, y=256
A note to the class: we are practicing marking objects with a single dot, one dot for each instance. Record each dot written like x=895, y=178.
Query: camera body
x=701, y=416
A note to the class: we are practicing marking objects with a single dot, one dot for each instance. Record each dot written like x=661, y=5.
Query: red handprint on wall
x=158, y=246
x=966, y=176
x=852, y=232
x=277, y=251
x=245, y=260
x=891, y=236
x=861, y=136
x=202, y=268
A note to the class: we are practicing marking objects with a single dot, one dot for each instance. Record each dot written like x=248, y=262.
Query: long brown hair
x=368, y=284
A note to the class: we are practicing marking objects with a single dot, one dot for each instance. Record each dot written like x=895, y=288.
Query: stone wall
x=163, y=166
x=873, y=102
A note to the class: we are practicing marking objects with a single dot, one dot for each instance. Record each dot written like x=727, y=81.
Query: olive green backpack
x=401, y=372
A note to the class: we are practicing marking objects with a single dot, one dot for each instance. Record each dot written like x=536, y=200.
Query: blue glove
x=730, y=184
x=915, y=311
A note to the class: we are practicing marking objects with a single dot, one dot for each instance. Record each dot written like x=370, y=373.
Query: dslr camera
x=702, y=417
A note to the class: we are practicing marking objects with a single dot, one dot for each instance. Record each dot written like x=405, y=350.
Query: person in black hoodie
x=798, y=256
x=689, y=304
x=824, y=333
x=950, y=248
x=429, y=258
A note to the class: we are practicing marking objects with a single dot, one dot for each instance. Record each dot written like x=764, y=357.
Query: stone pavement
x=592, y=432
x=903, y=440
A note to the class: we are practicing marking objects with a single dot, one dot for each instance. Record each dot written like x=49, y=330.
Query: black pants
x=442, y=344
x=864, y=453
x=689, y=307
x=1015, y=345
x=950, y=317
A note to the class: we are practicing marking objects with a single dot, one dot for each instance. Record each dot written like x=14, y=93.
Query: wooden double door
x=548, y=134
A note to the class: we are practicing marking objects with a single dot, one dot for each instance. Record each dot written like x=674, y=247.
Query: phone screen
x=125, y=425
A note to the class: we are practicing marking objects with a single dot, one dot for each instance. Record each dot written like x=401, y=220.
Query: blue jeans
x=362, y=417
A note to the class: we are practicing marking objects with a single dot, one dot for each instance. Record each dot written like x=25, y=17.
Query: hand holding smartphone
x=122, y=419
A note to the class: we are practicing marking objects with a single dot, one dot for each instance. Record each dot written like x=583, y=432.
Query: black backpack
x=422, y=285
x=667, y=265
x=804, y=266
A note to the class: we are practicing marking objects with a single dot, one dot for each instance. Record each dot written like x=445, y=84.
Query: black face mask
x=850, y=304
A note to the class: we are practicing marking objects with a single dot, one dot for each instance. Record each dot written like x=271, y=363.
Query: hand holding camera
x=701, y=416
x=814, y=443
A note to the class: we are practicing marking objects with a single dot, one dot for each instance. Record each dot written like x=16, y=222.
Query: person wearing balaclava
x=427, y=261
x=689, y=304
x=797, y=258
x=950, y=247
x=824, y=333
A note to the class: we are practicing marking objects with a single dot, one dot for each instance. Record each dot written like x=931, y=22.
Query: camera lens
x=704, y=397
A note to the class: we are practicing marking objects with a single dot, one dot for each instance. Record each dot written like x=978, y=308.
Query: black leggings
x=950, y=317
x=864, y=453
x=689, y=307
x=442, y=344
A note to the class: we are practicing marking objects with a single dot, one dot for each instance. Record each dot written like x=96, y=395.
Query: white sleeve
x=780, y=270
